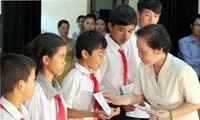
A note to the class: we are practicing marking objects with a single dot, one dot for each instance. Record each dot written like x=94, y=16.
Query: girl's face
x=56, y=64
x=89, y=24
x=120, y=33
x=63, y=30
x=101, y=26
x=95, y=60
x=29, y=85
x=147, y=55
x=81, y=23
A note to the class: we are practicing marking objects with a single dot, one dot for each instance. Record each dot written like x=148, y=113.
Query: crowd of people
x=56, y=77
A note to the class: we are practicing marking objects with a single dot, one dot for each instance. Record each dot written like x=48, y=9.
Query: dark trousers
x=122, y=115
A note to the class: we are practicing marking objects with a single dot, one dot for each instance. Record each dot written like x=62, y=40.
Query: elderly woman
x=169, y=84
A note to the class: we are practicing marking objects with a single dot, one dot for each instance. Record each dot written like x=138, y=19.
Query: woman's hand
x=165, y=115
x=110, y=98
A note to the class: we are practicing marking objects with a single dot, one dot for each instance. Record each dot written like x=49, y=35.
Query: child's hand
x=128, y=108
x=115, y=111
x=103, y=116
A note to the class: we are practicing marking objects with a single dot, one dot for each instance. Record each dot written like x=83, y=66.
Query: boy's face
x=95, y=60
x=29, y=85
x=147, y=17
x=120, y=34
x=56, y=64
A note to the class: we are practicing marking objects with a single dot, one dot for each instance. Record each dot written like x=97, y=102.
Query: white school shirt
x=11, y=112
x=177, y=83
x=131, y=51
x=43, y=105
x=78, y=89
x=111, y=72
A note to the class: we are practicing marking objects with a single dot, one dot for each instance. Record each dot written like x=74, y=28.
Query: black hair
x=156, y=36
x=89, y=41
x=154, y=5
x=14, y=67
x=90, y=15
x=105, y=21
x=123, y=15
x=44, y=44
x=194, y=18
x=79, y=17
x=63, y=21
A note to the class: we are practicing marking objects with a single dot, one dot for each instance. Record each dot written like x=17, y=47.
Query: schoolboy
x=78, y=86
x=17, y=85
x=113, y=72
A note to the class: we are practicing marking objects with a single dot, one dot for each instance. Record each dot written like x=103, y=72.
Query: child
x=148, y=12
x=113, y=71
x=101, y=25
x=89, y=22
x=77, y=86
x=48, y=50
x=17, y=85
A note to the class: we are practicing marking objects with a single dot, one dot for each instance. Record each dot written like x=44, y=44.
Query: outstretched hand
x=110, y=98
x=164, y=116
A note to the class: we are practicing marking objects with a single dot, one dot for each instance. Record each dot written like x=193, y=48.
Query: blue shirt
x=190, y=52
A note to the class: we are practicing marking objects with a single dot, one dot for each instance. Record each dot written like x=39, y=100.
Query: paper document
x=102, y=102
x=137, y=113
x=148, y=110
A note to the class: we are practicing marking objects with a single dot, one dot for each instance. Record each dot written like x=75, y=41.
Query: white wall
x=54, y=10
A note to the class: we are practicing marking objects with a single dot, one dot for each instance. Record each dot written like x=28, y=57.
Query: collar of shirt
x=166, y=66
x=113, y=45
x=12, y=110
x=191, y=40
x=49, y=90
x=82, y=69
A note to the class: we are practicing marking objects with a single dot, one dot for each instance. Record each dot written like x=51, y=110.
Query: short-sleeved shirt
x=111, y=71
x=177, y=83
x=133, y=59
x=78, y=90
x=43, y=105
x=10, y=112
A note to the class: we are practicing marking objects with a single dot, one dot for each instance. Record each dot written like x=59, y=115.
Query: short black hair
x=123, y=15
x=14, y=67
x=194, y=18
x=154, y=5
x=156, y=36
x=89, y=41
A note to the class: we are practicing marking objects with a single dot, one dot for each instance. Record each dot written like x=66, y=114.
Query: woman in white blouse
x=170, y=85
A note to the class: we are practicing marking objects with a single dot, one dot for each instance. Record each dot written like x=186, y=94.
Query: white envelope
x=102, y=102
x=148, y=110
x=137, y=113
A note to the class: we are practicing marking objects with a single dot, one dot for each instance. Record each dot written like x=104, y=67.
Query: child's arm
x=98, y=113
